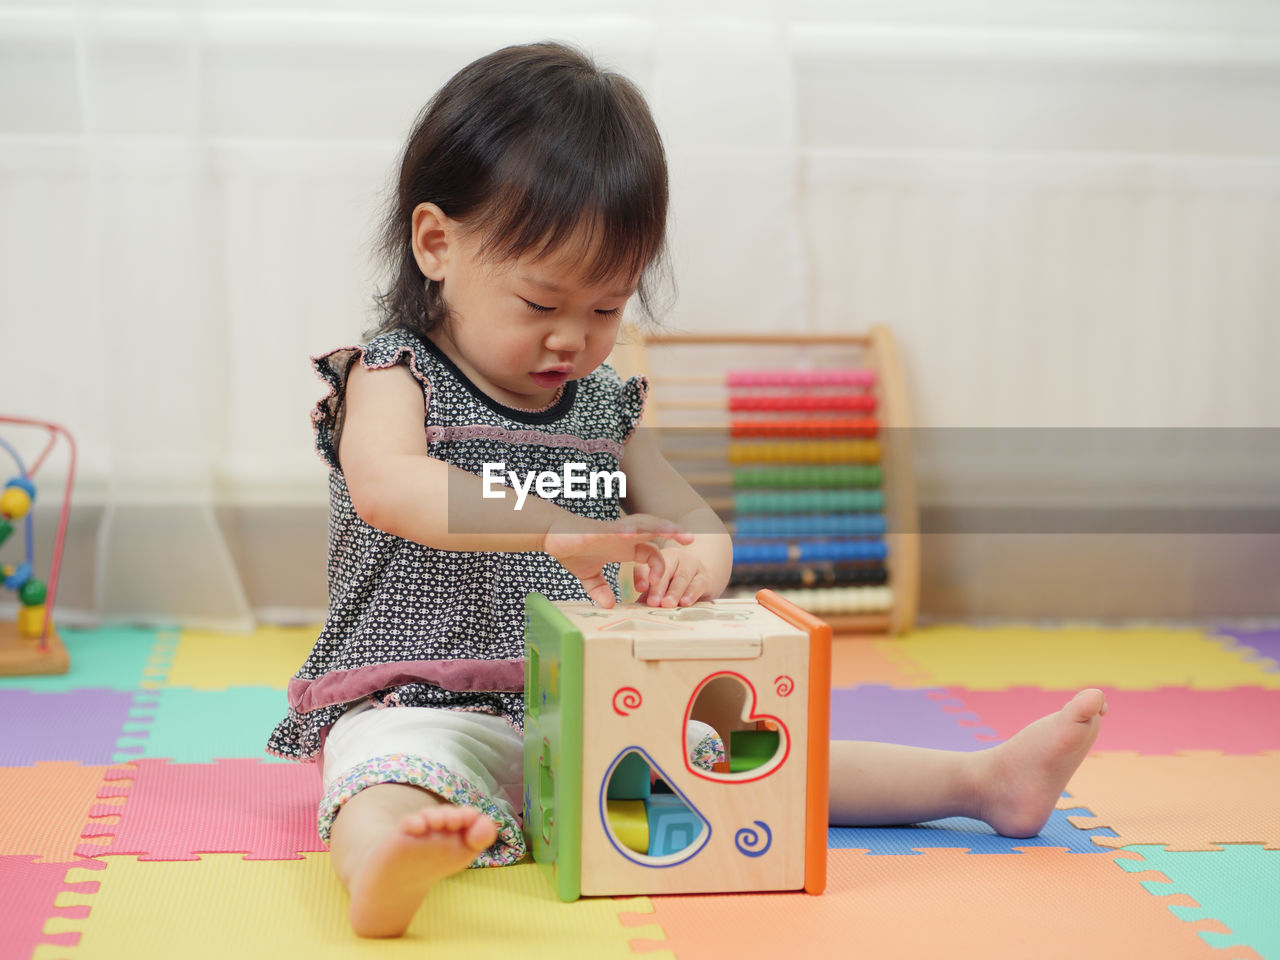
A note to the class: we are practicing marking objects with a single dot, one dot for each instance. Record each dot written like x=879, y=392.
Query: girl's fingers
x=599, y=591
x=697, y=587
x=640, y=577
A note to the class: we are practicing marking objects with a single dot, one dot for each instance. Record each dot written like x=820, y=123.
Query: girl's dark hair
x=527, y=146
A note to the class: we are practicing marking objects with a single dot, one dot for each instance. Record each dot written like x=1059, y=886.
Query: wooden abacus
x=800, y=443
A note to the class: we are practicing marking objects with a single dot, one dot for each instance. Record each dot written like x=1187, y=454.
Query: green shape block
x=553, y=744
x=1235, y=885
x=630, y=779
x=749, y=749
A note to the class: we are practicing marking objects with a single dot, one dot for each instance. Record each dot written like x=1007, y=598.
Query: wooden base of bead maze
x=25, y=656
x=688, y=375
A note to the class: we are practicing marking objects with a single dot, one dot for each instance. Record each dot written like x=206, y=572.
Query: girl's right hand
x=584, y=546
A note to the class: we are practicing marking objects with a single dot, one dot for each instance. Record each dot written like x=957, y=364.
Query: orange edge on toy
x=818, y=755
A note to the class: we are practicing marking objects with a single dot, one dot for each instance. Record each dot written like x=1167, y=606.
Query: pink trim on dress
x=460, y=676
x=502, y=434
x=317, y=414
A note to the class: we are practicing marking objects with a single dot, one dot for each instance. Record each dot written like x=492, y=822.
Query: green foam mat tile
x=1238, y=886
x=115, y=658
x=198, y=726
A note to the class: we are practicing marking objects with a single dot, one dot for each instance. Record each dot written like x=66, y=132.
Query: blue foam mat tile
x=961, y=832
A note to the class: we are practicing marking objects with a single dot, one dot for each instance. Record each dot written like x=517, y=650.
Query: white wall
x=1069, y=214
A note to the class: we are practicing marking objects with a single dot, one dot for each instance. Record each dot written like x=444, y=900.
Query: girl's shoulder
x=396, y=346
x=606, y=393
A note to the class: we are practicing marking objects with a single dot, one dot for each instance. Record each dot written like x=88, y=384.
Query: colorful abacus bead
x=824, y=600
x=31, y=621
x=15, y=577
x=33, y=593
x=833, y=550
x=19, y=493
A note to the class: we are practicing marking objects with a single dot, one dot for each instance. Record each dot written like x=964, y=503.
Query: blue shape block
x=673, y=827
x=972, y=835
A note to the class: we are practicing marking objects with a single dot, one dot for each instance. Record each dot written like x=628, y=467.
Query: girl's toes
x=481, y=833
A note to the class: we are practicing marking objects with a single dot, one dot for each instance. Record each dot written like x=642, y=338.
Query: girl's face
x=522, y=328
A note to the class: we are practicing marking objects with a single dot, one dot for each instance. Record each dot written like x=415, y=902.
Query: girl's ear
x=431, y=234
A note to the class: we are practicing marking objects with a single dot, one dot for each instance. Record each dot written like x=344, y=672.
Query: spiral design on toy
x=629, y=698
x=784, y=686
x=750, y=843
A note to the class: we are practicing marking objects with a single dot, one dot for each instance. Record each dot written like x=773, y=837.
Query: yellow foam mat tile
x=224, y=906
x=265, y=657
x=1136, y=658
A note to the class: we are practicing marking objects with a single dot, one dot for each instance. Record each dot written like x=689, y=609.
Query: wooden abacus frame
x=632, y=356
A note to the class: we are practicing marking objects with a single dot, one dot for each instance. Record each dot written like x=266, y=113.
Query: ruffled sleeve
x=335, y=366
x=631, y=400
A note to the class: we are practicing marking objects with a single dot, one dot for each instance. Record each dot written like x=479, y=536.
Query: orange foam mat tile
x=223, y=906
x=45, y=807
x=1046, y=903
x=1131, y=658
x=1194, y=800
x=858, y=661
x=264, y=657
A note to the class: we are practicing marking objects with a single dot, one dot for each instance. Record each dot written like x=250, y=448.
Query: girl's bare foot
x=1020, y=781
x=393, y=880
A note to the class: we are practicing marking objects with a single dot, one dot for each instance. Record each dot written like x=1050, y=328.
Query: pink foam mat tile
x=28, y=891
x=159, y=810
x=1240, y=720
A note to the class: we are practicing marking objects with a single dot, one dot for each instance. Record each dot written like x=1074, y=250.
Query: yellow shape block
x=225, y=906
x=1137, y=658
x=265, y=657
x=629, y=821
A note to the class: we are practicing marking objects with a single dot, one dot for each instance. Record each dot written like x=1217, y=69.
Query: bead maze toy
x=31, y=645
x=619, y=799
x=806, y=460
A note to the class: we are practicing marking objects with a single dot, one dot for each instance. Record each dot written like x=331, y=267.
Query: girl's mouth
x=550, y=378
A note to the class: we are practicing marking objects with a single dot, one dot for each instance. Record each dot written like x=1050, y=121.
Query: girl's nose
x=567, y=337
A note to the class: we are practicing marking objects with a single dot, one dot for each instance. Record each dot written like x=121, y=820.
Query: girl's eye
x=610, y=313
x=537, y=307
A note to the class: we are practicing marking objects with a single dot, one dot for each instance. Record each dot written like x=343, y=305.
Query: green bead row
x=843, y=475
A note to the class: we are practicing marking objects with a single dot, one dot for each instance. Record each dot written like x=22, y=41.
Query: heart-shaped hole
x=753, y=744
x=645, y=816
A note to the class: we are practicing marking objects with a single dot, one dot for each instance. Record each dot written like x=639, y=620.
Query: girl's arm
x=397, y=487
x=655, y=487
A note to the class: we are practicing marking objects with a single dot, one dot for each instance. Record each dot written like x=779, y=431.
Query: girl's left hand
x=672, y=576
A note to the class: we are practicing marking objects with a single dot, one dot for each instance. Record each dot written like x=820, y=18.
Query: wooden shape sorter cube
x=629, y=713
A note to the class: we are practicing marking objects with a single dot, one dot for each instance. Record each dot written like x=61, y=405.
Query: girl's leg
x=1013, y=787
x=389, y=845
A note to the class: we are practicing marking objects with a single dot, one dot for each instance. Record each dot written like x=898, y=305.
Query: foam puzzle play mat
x=142, y=818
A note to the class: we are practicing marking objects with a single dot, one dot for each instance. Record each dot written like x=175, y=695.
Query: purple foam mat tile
x=920, y=718
x=1265, y=642
x=81, y=725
